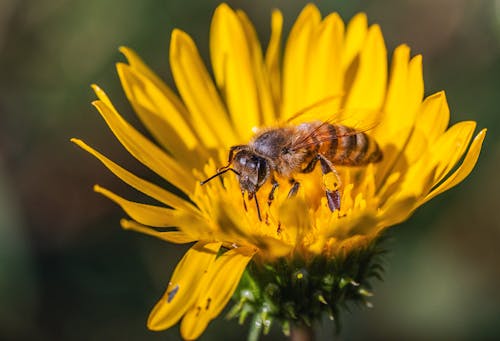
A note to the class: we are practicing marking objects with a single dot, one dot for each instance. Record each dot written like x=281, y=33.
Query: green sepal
x=299, y=291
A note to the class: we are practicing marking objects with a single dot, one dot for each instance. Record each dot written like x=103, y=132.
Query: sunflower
x=293, y=260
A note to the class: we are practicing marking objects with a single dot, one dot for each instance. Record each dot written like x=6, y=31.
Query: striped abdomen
x=343, y=145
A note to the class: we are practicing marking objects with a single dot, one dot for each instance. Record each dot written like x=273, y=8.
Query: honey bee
x=291, y=149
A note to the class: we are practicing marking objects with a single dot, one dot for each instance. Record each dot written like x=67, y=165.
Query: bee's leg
x=253, y=196
x=295, y=187
x=275, y=184
x=310, y=166
x=332, y=185
x=244, y=202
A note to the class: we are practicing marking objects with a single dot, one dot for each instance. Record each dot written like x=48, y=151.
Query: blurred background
x=67, y=270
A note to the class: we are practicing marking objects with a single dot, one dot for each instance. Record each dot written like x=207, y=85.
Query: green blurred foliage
x=68, y=272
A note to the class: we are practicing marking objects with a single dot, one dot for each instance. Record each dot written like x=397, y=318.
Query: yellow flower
x=327, y=68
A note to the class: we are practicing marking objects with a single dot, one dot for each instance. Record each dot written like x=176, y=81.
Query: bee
x=291, y=149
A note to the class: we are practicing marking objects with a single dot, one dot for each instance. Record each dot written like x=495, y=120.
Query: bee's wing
x=355, y=128
x=313, y=109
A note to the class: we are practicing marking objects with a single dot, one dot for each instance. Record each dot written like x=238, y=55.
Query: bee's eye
x=251, y=164
x=248, y=161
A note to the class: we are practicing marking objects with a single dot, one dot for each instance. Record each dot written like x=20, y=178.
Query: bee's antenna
x=220, y=171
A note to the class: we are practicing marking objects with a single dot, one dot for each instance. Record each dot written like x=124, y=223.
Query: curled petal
x=464, y=170
x=450, y=147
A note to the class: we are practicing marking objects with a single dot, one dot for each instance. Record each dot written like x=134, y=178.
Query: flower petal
x=404, y=96
x=176, y=105
x=217, y=287
x=450, y=147
x=369, y=83
x=184, y=286
x=433, y=116
x=139, y=66
x=273, y=57
x=268, y=109
x=397, y=132
x=395, y=211
x=325, y=77
x=354, y=38
x=139, y=184
x=295, y=61
x=177, y=237
x=145, y=214
x=199, y=92
x=161, y=117
x=145, y=151
x=233, y=53
x=464, y=170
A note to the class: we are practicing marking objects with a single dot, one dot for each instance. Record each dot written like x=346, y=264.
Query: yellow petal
x=415, y=83
x=354, y=38
x=199, y=92
x=296, y=60
x=145, y=214
x=396, y=94
x=231, y=57
x=439, y=159
x=450, y=147
x=405, y=156
x=433, y=116
x=139, y=66
x=273, y=57
x=177, y=237
x=404, y=97
x=325, y=76
x=396, y=211
x=369, y=84
x=103, y=96
x=267, y=108
x=357, y=222
x=396, y=130
x=139, y=184
x=397, y=119
x=217, y=286
x=145, y=151
x=161, y=116
x=183, y=288
x=174, y=104
x=464, y=170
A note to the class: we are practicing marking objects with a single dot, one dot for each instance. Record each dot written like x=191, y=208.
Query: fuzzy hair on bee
x=291, y=149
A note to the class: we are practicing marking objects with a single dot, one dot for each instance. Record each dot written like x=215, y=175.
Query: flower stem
x=302, y=333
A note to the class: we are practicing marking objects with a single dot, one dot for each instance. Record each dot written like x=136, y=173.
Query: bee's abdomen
x=348, y=147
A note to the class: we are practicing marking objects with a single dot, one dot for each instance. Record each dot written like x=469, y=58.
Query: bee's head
x=253, y=170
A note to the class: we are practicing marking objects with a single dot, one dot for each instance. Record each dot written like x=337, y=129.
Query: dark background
x=67, y=270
